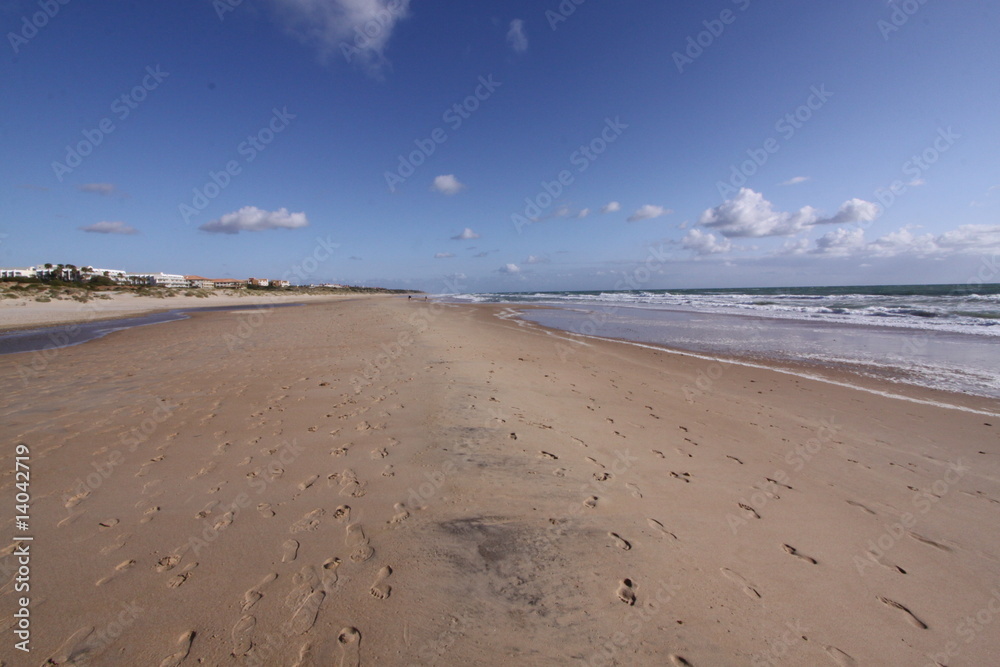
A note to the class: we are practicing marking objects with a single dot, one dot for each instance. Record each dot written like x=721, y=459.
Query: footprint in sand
x=308, y=522
x=183, y=649
x=861, y=507
x=839, y=657
x=625, y=592
x=107, y=523
x=253, y=595
x=684, y=476
x=380, y=589
x=305, y=484
x=737, y=578
x=749, y=509
x=203, y=471
x=243, y=635
x=121, y=567
x=167, y=563
x=678, y=661
x=620, y=541
x=115, y=546
x=305, y=616
x=224, y=521
x=178, y=579
x=910, y=616
x=289, y=551
x=387, y=472
x=329, y=576
x=602, y=476
x=656, y=525
x=929, y=542
x=634, y=490
x=590, y=502
x=548, y=455
x=265, y=510
x=356, y=539
x=350, y=647
x=402, y=514
x=149, y=514
x=305, y=658
x=379, y=454
x=342, y=513
x=207, y=509
x=789, y=549
x=77, y=649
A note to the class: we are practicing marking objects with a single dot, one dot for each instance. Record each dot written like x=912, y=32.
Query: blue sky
x=628, y=144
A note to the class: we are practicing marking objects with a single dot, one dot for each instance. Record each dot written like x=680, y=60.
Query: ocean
x=939, y=336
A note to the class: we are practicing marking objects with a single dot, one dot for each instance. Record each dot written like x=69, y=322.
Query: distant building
x=227, y=283
x=88, y=272
x=199, y=282
x=18, y=273
x=156, y=279
x=260, y=282
x=280, y=283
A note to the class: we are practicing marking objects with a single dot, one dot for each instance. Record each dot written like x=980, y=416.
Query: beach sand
x=377, y=481
x=27, y=312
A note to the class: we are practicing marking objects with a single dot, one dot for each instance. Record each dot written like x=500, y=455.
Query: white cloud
x=795, y=180
x=583, y=213
x=253, y=219
x=106, y=189
x=359, y=30
x=648, y=212
x=840, y=241
x=748, y=214
x=516, y=36
x=447, y=184
x=444, y=255
x=851, y=211
x=966, y=239
x=534, y=259
x=705, y=243
x=510, y=269
x=466, y=235
x=611, y=207
x=105, y=227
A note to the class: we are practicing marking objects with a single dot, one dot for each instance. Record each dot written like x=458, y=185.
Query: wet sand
x=393, y=482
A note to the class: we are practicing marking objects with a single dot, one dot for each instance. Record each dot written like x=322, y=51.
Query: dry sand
x=27, y=312
x=379, y=481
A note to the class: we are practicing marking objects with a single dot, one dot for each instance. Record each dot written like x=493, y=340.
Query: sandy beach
x=383, y=481
x=27, y=312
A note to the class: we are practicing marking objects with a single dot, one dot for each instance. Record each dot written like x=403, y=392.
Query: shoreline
x=816, y=371
x=259, y=490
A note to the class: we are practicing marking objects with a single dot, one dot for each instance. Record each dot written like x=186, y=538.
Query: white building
x=157, y=279
x=18, y=273
x=117, y=275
